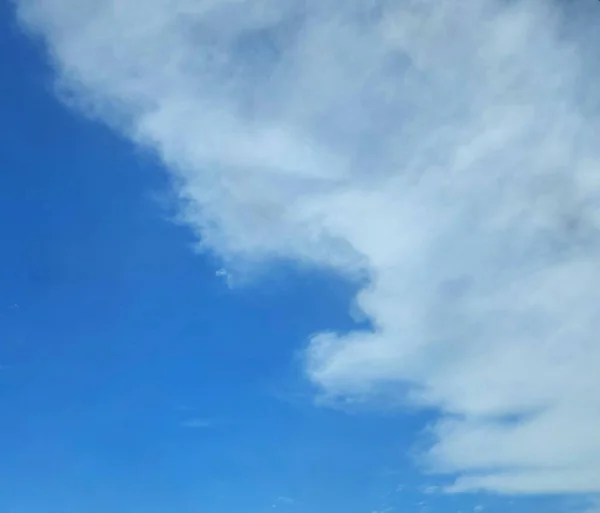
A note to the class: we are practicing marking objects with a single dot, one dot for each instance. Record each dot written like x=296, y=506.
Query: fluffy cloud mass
x=446, y=150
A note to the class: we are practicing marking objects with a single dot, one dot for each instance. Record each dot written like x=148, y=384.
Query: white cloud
x=285, y=500
x=446, y=150
x=226, y=277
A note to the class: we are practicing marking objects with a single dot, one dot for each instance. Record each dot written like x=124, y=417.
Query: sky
x=299, y=256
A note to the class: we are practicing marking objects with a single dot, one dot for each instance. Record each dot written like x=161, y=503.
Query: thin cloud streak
x=445, y=150
x=198, y=423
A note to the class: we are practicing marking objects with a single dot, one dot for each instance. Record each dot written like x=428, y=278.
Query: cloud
x=285, y=500
x=593, y=505
x=226, y=277
x=445, y=152
x=198, y=423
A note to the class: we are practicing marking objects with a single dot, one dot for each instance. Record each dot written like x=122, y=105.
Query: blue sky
x=134, y=376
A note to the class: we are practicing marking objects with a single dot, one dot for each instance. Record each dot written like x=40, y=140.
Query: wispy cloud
x=198, y=423
x=445, y=150
x=593, y=506
x=285, y=500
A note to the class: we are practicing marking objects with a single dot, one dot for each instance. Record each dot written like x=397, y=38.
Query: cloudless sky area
x=135, y=376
